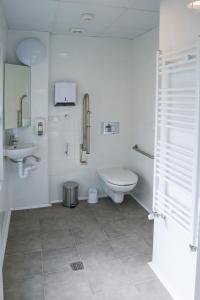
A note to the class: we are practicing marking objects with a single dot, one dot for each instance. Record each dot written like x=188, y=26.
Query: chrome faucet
x=13, y=140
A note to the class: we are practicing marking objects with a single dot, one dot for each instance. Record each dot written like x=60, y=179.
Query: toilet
x=116, y=182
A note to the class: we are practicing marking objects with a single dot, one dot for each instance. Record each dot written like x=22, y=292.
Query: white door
x=177, y=170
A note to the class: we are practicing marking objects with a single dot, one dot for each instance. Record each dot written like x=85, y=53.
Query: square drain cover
x=76, y=266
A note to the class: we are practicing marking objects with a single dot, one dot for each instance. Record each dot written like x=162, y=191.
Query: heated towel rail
x=176, y=175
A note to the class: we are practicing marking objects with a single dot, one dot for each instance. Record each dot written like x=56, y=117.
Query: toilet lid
x=119, y=176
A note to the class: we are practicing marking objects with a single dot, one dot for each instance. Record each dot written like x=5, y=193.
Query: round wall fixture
x=31, y=51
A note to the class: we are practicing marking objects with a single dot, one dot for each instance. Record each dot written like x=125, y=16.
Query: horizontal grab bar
x=136, y=148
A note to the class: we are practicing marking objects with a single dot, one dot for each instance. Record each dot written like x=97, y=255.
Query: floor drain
x=76, y=266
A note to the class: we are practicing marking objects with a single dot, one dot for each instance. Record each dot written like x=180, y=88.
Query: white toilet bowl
x=116, y=182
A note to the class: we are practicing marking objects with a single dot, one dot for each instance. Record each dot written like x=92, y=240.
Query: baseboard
x=31, y=207
x=140, y=202
x=5, y=230
x=165, y=283
x=56, y=201
x=99, y=197
x=80, y=199
x=52, y=202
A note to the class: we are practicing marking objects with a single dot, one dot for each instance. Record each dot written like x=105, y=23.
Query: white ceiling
x=113, y=18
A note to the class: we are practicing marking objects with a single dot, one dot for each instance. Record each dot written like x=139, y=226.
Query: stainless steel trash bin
x=70, y=194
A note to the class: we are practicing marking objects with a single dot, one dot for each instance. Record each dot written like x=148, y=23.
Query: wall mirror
x=17, y=96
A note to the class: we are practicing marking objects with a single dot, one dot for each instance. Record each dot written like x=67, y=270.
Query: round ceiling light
x=31, y=51
x=87, y=17
x=194, y=4
x=77, y=30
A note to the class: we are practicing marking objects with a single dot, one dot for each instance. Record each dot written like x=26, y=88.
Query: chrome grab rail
x=86, y=124
x=20, y=112
x=136, y=148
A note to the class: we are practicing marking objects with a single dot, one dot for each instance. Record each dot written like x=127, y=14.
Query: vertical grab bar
x=86, y=124
x=20, y=111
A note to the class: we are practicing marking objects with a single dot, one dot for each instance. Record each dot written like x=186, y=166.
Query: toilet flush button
x=110, y=128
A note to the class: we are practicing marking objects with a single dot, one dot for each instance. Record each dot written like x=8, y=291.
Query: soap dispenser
x=40, y=126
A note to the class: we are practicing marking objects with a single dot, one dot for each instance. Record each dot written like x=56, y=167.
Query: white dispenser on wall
x=65, y=93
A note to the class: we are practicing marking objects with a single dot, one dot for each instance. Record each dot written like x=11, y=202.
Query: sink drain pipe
x=23, y=171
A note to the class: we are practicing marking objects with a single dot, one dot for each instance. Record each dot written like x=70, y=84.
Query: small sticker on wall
x=110, y=128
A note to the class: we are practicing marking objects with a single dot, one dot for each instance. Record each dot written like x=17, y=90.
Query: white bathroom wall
x=108, y=70
x=4, y=204
x=102, y=68
x=178, y=24
x=173, y=261
x=143, y=112
x=32, y=191
x=3, y=197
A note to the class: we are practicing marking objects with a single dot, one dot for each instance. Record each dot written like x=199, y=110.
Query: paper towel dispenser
x=65, y=93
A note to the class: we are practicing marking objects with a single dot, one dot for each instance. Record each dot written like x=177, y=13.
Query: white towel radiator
x=176, y=169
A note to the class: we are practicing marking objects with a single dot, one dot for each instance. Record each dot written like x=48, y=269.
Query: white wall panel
x=32, y=191
x=143, y=106
x=4, y=203
x=101, y=67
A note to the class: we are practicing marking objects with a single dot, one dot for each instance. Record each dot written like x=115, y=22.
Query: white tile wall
x=3, y=31
x=32, y=191
x=4, y=203
x=101, y=67
x=105, y=69
x=143, y=108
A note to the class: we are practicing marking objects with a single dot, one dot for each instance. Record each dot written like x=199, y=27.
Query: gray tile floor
x=113, y=242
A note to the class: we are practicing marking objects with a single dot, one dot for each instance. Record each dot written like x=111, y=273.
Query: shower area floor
x=110, y=244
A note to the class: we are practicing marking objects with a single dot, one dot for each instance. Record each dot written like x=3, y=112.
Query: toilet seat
x=119, y=176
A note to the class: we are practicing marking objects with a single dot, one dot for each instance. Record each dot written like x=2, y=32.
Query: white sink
x=18, y=152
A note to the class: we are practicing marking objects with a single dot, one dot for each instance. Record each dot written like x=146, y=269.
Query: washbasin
x=20, y=151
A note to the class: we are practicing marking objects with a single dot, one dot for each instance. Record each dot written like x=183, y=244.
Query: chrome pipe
x=86, y=124
x=20, y=112
x=136, y=148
